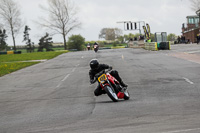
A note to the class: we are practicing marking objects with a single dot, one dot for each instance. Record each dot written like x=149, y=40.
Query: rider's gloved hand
x=92, y=81
x=96, y=75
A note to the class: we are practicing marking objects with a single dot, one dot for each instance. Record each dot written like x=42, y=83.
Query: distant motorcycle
x=111, y=86
x=96, y=48
x=88, y=47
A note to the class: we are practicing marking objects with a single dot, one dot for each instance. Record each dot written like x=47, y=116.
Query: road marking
x=66, y=77
x=181, y=131
x=58, y=85
x=63, y=80
x=194, y=61
x=122, y=57
x=186, y=56
x=82, y=57
x=192, y=52
x=187, y=80
x=73, y=69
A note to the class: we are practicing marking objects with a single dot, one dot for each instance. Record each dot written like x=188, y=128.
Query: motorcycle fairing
x=120, y=95
x=111, y=78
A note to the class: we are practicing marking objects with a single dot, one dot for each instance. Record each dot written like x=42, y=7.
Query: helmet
x=94, y=64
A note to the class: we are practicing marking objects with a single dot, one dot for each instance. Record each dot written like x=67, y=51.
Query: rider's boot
x=123, y=84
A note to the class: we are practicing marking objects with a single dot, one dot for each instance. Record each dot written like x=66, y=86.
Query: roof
x=190, y=30
x=197, y=12
x=193, y=16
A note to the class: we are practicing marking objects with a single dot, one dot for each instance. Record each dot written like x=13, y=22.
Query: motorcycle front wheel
x=111, y=93
x=126, y=95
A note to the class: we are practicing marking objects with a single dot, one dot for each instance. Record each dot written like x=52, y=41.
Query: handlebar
x=101, y=72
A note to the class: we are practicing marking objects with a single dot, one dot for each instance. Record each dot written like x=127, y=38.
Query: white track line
x=58, y=85
x=182, y=131
x=73, y=69
x=187, y=80
x=66, y=77
x=192, y=52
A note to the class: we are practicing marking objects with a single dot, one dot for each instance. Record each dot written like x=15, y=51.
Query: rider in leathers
x=96, y=68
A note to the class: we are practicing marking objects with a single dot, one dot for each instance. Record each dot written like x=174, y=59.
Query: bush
x=76, y=42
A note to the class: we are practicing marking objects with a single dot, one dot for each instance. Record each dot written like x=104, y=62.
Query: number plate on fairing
x=102, y=78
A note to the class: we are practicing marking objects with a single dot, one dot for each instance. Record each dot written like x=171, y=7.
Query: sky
x=162, y=16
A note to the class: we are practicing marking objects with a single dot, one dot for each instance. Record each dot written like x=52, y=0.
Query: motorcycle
x=111, y=86
x=96, y=47
x=88, y=47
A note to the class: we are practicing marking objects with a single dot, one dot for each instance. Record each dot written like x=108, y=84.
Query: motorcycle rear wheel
x=111, y=93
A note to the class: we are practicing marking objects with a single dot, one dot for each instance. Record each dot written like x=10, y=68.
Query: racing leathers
x=98, y=91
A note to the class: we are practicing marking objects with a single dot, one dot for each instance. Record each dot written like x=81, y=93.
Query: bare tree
x=195, y=5
x=62, y=17
x=10, y=17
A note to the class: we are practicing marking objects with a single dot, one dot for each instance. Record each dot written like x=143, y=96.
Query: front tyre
x=111, y=93
x=126, y=95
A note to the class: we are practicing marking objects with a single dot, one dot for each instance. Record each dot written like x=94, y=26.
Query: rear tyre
x=111, y=93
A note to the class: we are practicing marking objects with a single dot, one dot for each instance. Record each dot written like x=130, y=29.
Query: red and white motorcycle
x=111, y=86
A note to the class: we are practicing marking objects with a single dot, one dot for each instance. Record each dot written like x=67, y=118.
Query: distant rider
x=96, y=44
x=88, y=46
x=96, y=68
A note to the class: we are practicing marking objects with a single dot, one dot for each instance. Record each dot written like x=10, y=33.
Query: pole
x=140, y=29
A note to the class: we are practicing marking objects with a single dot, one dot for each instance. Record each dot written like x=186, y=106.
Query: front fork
x=116, y=87
x=111, y=85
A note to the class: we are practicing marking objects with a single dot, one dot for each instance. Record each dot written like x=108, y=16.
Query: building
x=193, y=28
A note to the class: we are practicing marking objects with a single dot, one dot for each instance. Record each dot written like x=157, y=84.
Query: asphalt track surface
x=56, y=97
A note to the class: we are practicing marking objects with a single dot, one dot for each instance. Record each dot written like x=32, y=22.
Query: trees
x=10, y=16
x=28, y=40
x=3, y=37
x=121, y=39
x=110, y=33
x=62, y=18
x=129, y=36
x=171, y=37
x=195, y=5
x=45, y=42
x=76, y=42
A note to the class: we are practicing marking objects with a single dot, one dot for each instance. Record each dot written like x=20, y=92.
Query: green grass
x=23, y=50
x=10, y=63
x=30, y=56
x=6, y=68
x=117, y=47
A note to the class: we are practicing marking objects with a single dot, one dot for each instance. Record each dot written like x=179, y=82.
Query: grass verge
x=12, y=62
x=6, y=68
x=30, y=56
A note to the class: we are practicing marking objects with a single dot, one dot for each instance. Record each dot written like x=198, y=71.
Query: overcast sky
x=161, y=15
